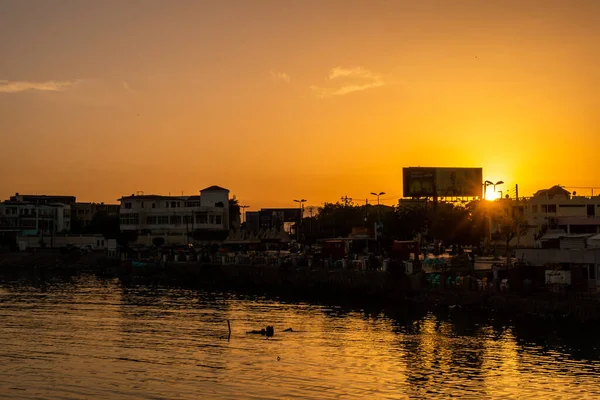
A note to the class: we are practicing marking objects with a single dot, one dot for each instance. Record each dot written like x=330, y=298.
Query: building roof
x=563, y=235
x=553, y=234
x=555, y=190
x=156, y=197
x=33, y=204
x=44, y=196
x=143, y=197
x=214, y=188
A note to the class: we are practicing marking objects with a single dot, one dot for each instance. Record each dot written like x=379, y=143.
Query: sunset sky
x=282, y=99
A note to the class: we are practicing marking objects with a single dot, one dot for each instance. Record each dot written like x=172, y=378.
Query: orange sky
x=300, y=98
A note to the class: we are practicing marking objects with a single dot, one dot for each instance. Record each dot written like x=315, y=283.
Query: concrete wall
x=541, y=257
x=98, y=242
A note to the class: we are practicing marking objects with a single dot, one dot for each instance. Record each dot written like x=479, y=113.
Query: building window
x=202, y=219
x=551, y=208
x=142, y=204
x=534, y=209
x=175, y=219
x=151, y=220
x=188, y=219
x=127, y=206
x=218, y=219
x=167, y=204
x=153, y=205
x=163, y=220
x=173, y=204
x=130, y=219
x=211, y=219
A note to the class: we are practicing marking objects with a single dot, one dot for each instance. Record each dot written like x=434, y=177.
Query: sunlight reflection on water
x=95, y=339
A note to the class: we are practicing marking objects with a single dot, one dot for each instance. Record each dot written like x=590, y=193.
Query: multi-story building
x=172, y=216
x=83, y=213
x=41, y=199
x=556, y=208
x=28, y=218
x=549, y=209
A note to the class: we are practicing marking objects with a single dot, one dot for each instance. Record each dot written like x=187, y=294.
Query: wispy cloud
x=280, y=76
x=46, y=86
x=127, y=87
x=368, y=80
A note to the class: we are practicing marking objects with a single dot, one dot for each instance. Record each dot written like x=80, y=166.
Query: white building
x=567, y=252
x=556, y=208
x=549, y=209
x=174, y=217
x=29, y=218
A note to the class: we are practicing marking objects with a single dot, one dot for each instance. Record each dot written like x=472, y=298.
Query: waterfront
x=90, y=338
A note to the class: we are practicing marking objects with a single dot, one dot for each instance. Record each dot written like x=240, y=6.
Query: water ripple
x=93, y=339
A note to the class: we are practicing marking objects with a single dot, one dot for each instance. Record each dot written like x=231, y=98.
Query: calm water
x=91, y=339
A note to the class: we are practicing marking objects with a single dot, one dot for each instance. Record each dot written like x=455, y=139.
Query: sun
x=491, y=195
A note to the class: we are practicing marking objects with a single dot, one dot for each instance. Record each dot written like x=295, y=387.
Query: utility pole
x=310, y=212
x=517, y=191
x=366, y=217
x=300, y=202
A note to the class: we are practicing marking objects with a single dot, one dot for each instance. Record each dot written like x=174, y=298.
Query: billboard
x=418, y=182
x=442, y=182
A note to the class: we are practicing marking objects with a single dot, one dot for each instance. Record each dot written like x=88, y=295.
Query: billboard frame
x=444, y=182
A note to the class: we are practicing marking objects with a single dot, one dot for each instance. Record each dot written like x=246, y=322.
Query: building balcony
x=582, y=220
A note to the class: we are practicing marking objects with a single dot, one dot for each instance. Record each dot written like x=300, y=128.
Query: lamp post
x=300, y=202
x=485, y=186
x=377, y=195
x=490, y=183
x=496, y=184
x=378, y=219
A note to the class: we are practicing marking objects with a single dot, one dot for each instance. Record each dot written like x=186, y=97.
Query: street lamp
x=378, y=194
x=300, y=220
x=498, y=183
x=378, y=221
x=490, y=183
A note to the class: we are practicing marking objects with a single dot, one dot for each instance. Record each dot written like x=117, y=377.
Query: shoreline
x=393, y=293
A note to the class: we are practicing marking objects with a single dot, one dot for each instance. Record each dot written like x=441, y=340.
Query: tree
x=105, y=224
x=511, y=227
x=405, y=223
x=234, y=213
x=338, y=219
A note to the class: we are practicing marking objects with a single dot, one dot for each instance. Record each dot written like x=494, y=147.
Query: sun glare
x=491, y=195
